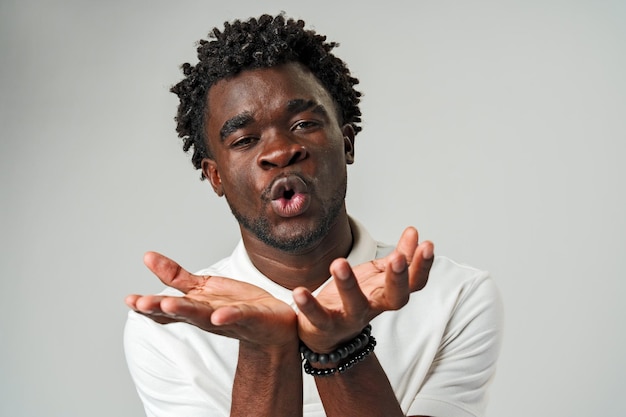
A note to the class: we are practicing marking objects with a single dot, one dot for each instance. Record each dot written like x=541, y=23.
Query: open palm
x=216, y=304
x=357, y=295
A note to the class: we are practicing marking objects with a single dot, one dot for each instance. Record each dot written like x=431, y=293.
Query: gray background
x=495, y=127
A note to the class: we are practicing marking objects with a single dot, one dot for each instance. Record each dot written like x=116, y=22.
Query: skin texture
x=279, y=142
x=256, y=137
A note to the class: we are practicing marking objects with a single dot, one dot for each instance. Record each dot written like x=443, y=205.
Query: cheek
x=331, y=171
x=239, y=180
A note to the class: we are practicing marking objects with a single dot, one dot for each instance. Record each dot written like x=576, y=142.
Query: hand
x=216, y=304
x=356, y=296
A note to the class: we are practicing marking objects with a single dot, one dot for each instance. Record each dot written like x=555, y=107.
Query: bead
x=345, y=356
x=344, y=366
x=343, y=352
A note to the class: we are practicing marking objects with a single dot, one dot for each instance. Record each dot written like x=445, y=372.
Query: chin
x=297, y=234
x=293, y=238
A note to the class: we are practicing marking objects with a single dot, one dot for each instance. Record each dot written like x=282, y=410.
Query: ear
x=210, y=171
x=348, y=142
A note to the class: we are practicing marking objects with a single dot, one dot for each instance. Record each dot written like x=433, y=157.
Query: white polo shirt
x=439, y=351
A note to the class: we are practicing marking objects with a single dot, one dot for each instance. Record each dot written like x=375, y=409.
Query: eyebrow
x=293, y=107
x=235, y=123
x=299, y=105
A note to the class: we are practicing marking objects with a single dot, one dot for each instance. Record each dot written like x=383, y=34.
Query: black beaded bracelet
x=342, y=352
x=343, y=366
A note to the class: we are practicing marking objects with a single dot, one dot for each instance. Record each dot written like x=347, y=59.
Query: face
x=279, y=155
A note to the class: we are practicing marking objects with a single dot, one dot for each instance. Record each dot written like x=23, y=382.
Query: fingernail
x=300, y=298
x=428, y=252
x=398, y=265
x=342, y=273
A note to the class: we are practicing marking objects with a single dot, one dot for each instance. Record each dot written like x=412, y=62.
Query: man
x=271, y=116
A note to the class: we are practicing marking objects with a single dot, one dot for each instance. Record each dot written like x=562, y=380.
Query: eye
x=305, y=124
x=243, y=142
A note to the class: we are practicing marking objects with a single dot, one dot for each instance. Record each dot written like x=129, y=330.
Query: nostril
x=297, y=156
x=294, y=158
x=280, y=155
x=266, y=164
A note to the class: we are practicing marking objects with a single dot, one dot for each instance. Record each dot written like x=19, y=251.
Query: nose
x=280, y=150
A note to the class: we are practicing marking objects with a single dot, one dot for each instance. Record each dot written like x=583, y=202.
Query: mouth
x=289, y=196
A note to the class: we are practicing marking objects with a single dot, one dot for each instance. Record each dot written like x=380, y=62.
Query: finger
x=178, y=309
x=396, y=281
x=162, y=305
x=150, y=306
x=171, y=273
x=227, y=315
x=422, y=261
x=408, y=243
x=188, y=309
x=355, y=303
x=130, y=300
x=308, y=305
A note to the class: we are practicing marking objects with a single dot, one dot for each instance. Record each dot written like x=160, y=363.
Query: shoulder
x=440, y=350
x=449, y=276
x=460, y=293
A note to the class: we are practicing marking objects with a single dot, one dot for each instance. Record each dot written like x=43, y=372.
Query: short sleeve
x=163, y=387
x=465, y=363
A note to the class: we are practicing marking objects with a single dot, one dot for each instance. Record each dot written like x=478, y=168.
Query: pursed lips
x=288, y=195
x=292, y=184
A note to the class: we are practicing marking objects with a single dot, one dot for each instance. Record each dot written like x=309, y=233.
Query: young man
x=271, y=116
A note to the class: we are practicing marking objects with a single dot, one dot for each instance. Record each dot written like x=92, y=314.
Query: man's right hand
x=218, y=305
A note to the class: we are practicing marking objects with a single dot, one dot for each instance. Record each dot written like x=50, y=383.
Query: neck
x=309, y=268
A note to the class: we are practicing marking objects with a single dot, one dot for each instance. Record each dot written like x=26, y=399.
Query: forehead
x=264, y=90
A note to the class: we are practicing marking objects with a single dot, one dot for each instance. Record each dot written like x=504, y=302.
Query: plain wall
x=496, y=127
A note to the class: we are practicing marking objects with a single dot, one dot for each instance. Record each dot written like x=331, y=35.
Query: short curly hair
x=258, y=43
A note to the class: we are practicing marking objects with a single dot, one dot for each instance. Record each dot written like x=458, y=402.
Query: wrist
x=279, y=349
x=340, y=359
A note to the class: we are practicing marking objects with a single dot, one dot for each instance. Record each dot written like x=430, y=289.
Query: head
x=258, y=43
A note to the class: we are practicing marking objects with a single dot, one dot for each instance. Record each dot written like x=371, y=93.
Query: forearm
x=268, y=382
x=363, y=390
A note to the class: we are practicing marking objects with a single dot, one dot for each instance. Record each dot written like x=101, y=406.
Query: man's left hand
x=357, y=295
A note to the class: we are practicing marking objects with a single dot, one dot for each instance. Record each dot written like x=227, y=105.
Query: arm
x=363, y=390
x=341, y=310
x=268, y=381
x=265, y=327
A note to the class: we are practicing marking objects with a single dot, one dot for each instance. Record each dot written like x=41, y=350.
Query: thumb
x=171, y=273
